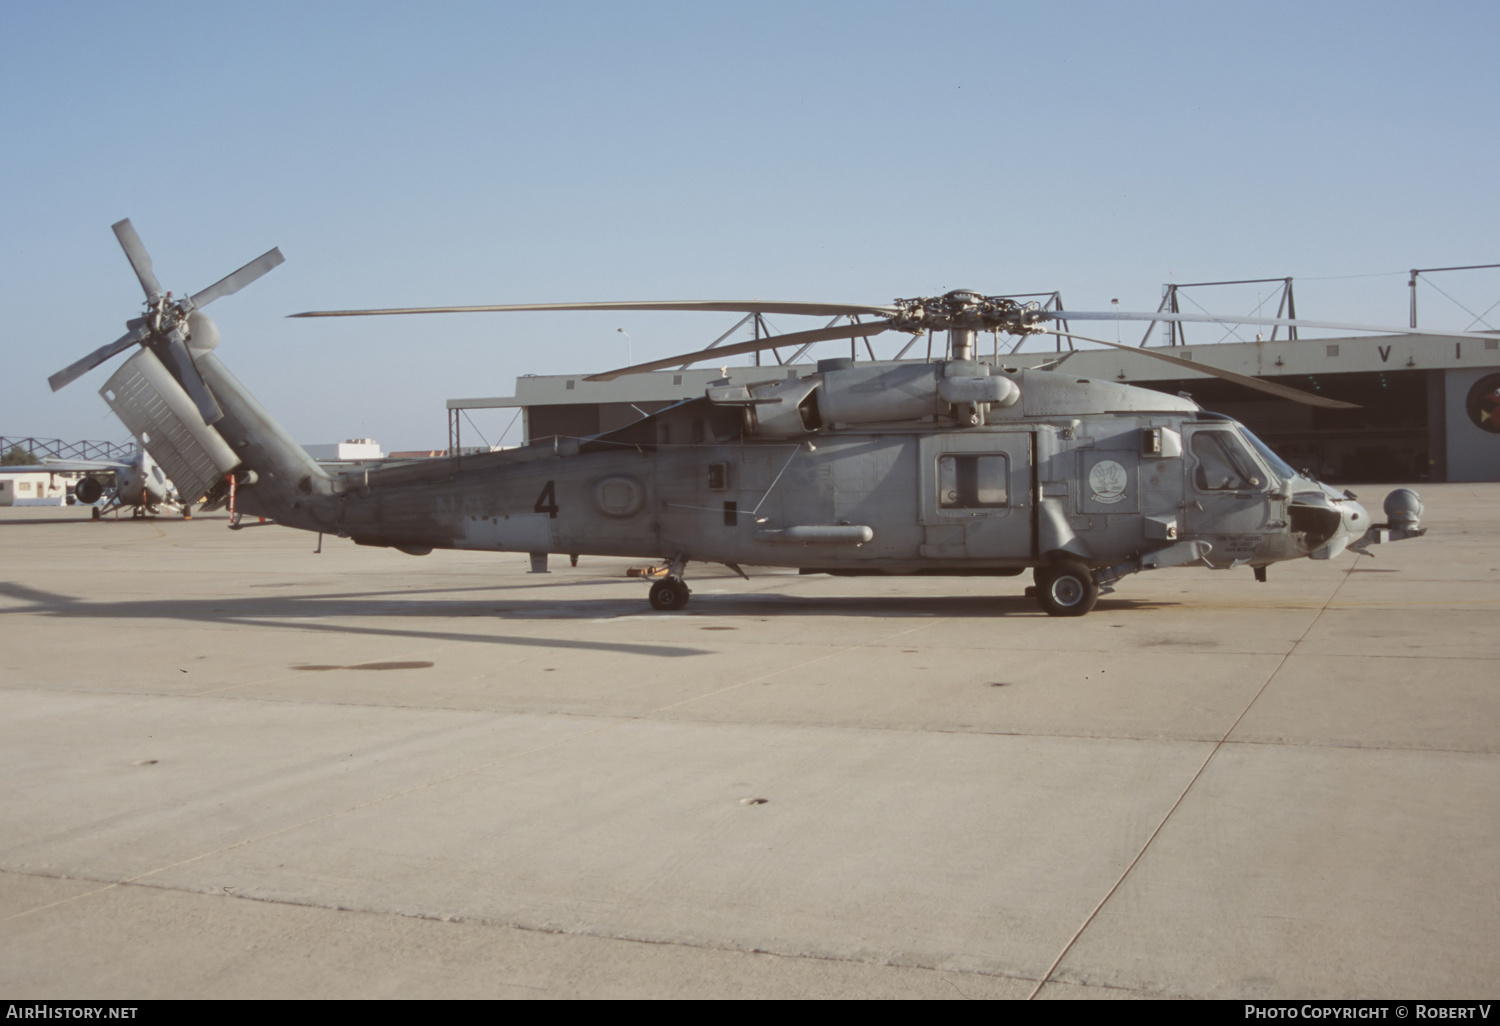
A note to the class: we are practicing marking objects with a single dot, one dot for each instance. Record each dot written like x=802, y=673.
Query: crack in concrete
x=1047, y=976
x=501, y=924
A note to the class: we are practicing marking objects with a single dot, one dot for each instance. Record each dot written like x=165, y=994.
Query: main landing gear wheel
x=669, y=594
x=1066, y=588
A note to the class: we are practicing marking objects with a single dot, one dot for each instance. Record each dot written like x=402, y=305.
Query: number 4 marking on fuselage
x=547, y=501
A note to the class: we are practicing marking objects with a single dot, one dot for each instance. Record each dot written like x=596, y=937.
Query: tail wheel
x=669, y=594
x=1066, y=588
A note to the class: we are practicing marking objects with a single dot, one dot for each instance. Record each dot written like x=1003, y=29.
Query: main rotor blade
x=232, y=283
x=74, y=371
x=1296, y=395
x=756, y=345
x=1288, y=322
x=709, y=306
x=135, y=252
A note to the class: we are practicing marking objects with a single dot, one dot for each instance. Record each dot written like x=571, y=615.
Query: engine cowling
x=844, y=394
x=88, y=491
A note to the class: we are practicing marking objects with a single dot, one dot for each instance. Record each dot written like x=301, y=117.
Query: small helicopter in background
x=957, y=466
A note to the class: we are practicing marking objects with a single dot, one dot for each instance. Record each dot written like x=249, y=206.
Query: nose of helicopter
x=1353, y=520
x=1355, y=527
x=1356, y=520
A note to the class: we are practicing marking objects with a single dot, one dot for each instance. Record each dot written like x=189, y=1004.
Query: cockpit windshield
x=1279, y=465
x=1223, y=463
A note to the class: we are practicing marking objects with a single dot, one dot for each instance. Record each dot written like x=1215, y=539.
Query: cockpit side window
x=1223, y=463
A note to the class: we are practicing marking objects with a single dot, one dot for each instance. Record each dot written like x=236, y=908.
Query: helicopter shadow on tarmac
x=955, y=607
x=54, y=521
x=307, y=612
x=113, y=518
x=304, y=613
x=711, y=603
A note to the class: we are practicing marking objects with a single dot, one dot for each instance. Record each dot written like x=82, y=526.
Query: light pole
x=628, y=358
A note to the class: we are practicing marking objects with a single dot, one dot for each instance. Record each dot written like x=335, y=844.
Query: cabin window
x=718, y=476
x=1223, y=463
x=973, y=481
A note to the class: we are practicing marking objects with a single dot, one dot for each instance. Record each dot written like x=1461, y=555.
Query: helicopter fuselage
x=1111, y=476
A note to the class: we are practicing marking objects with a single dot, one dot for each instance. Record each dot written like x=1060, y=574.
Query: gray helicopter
x=957, y=466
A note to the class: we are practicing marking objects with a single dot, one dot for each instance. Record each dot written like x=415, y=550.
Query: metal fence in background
x=57, y=448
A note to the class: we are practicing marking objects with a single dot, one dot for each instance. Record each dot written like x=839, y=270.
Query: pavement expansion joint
x=235, y=894
x=1185, y=791
x=1350, y=746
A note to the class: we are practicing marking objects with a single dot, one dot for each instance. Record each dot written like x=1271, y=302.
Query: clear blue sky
x=446, y=153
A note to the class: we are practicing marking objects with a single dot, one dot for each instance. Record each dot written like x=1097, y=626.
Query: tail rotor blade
x=74, y=371
x=135, y=252
x=796, y=338
x=232, y=283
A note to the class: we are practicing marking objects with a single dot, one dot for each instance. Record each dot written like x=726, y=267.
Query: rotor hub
x=962, y=310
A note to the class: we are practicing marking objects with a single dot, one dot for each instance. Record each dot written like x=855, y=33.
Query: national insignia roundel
x=1483, y=403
